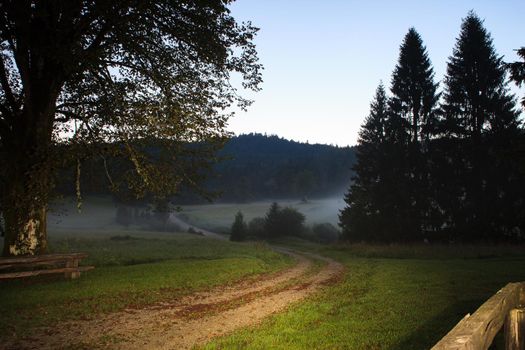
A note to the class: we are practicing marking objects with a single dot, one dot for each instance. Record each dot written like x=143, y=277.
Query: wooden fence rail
x=477, y=331
x=26, y=266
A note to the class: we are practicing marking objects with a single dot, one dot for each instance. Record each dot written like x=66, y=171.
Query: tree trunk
x=44, y=60
x=25, y=199
x=25, y=234
x=28, y=182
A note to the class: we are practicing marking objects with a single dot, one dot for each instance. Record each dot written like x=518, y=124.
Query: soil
x=194, y=319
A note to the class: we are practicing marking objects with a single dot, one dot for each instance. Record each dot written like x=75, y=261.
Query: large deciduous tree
x=111, y=77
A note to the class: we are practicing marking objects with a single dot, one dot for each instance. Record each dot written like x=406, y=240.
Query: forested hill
x=253, y=167
x=269, y=167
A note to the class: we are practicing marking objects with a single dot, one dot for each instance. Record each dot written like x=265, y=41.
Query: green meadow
x=390, y=297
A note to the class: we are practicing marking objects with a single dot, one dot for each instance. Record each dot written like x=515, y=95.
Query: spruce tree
x=412, y=125
x=476, y=99
x=239, y=228
x=272, y=225
x=413, y=89
x=364, y=217
x=517, y=71
x=517, y=74
x=480, y=126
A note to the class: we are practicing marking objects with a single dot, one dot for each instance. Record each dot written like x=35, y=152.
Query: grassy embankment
x=133, y=269
x=391, y=297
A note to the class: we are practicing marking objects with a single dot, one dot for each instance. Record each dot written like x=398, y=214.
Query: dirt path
x=194, y=319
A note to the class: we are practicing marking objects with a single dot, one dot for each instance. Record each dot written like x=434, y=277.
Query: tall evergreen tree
x=239, y=228
x=412, y=123
x=365, y=216
x=414, y=96
x=517, y=70
x=480, y=125
x=272, y=226
x=517, y=74
x=476, y=99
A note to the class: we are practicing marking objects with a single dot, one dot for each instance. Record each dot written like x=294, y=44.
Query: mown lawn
x=133, y=269
x=392, y=297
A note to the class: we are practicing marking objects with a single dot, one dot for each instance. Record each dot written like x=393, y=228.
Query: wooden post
x=515, y=330
x=478, y=330
x=73, y=263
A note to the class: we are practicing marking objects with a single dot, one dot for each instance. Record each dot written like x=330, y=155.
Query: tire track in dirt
x=194, y=319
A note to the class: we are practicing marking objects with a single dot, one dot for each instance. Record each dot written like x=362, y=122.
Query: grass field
x=392, y=297
x=134, y=270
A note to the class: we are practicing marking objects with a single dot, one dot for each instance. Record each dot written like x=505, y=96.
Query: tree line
x=247, y=168
x=256, y=166
x=280, y=222
x=441, y=165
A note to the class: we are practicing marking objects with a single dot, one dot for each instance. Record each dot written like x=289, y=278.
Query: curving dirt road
x=194, y=319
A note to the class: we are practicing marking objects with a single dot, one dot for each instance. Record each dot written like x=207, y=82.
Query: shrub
x=283, y=222
x=291, y=222
x=256, y=228
x=325, y=233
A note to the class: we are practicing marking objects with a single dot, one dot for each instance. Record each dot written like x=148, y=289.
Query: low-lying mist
x=101, y=214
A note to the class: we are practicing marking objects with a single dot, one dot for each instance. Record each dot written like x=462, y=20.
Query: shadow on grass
x=429, y=333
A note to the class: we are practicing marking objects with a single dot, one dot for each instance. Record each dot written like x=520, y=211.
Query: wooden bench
x=505, y=309
x=26, y=266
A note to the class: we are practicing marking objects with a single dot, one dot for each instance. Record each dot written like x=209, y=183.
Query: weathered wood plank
x=34, y=264
x=45, y=272
x=40, y=258
x=72, y=263
x=515, y=330
x=477, y=331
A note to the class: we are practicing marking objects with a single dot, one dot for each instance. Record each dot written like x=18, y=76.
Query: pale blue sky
x=324, y=59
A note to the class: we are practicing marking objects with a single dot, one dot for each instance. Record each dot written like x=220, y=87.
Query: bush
x=256, y=228
x=292, y=222
x=283, y=222
x=325, y=233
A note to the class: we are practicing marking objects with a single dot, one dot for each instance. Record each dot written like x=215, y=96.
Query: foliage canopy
x=112, y=79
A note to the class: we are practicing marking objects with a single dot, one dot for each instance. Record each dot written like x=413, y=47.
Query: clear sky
x=324, y=58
